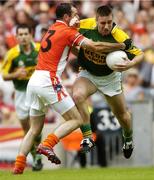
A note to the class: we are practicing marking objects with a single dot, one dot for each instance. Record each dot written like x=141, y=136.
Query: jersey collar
x=59, y=21
x=32, y=48
x=113, y=27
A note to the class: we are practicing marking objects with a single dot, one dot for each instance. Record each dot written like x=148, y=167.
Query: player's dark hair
x=63, y=8
x=104, y=10
x=23, y=26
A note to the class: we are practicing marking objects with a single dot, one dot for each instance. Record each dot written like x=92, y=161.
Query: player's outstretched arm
x=102, y=46
x=75, y=50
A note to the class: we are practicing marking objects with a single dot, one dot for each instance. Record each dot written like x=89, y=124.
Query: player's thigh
x=83, y=86
x=117, y=104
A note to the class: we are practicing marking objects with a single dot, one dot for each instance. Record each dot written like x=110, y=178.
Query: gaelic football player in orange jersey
x=45, y=87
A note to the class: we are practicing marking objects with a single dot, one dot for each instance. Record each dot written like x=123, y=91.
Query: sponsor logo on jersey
x=96, y=58
x=21, y=63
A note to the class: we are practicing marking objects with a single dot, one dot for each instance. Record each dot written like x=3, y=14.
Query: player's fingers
x=120, y=66
x=125, y=58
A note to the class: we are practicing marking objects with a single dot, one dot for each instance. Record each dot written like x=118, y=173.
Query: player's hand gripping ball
x=116, y=58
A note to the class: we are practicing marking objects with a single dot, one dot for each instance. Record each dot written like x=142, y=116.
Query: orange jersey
x=55, y=47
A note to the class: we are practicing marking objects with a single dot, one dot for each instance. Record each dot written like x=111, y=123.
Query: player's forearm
x=10, y=76
x=75, y=50
x=109, y=47
x=138, y=59
x=102, y=46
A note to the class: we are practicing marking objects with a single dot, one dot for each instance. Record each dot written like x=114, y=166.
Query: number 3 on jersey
x=48, y=41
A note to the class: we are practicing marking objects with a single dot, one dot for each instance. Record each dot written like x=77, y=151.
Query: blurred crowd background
x=136, y=17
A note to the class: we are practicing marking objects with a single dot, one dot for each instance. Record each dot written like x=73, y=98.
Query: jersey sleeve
x=7, y=63
x=87, y=24
x=75, y=38
x=37, y=46
x=120, y=36
x=8, y=59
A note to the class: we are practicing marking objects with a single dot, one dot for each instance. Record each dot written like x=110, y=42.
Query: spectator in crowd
x=139, y=31
x=7, y=113
x=146, y=5
x=121, y=20
x=34, y=10
x=42, y=23
x=22, y=17
x=8, y=91
x=130, y=6
x=132, y=88
x=146, y=68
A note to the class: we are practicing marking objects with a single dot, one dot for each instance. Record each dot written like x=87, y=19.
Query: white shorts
x=109, y=85
x=43, y=92
x=20, y=104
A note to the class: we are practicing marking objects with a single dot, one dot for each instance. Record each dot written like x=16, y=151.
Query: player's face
x=23, y=36
x=74, y=14
x=104, y=24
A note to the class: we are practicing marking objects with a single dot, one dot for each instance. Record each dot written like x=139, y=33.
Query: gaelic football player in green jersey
x=96, y=75
x=18, y=66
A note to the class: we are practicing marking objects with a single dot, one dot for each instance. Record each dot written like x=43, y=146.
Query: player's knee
x=80, y=122
x=78, y=97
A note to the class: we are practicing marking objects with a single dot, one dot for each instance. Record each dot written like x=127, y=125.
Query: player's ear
x=31, y=36
x=66, y=17
x=17, y=37
x=96, y=20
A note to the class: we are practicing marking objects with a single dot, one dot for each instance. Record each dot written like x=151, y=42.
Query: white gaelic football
x=116, y=57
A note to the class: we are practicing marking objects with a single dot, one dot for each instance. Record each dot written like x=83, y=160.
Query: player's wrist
x=15, y=75
x=123, y=46
x=132, y=63
x=128, y=44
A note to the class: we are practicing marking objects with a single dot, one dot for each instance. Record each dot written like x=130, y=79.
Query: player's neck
x=27, y=48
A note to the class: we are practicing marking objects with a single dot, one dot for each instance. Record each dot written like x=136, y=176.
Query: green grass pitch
x=84, y=174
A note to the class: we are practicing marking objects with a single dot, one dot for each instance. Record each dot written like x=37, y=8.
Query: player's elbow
x=141, y=56
x=4, y=77
x=89, y=44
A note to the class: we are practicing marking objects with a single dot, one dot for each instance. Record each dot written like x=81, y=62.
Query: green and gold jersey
x=94, y=62
x=15, y=59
